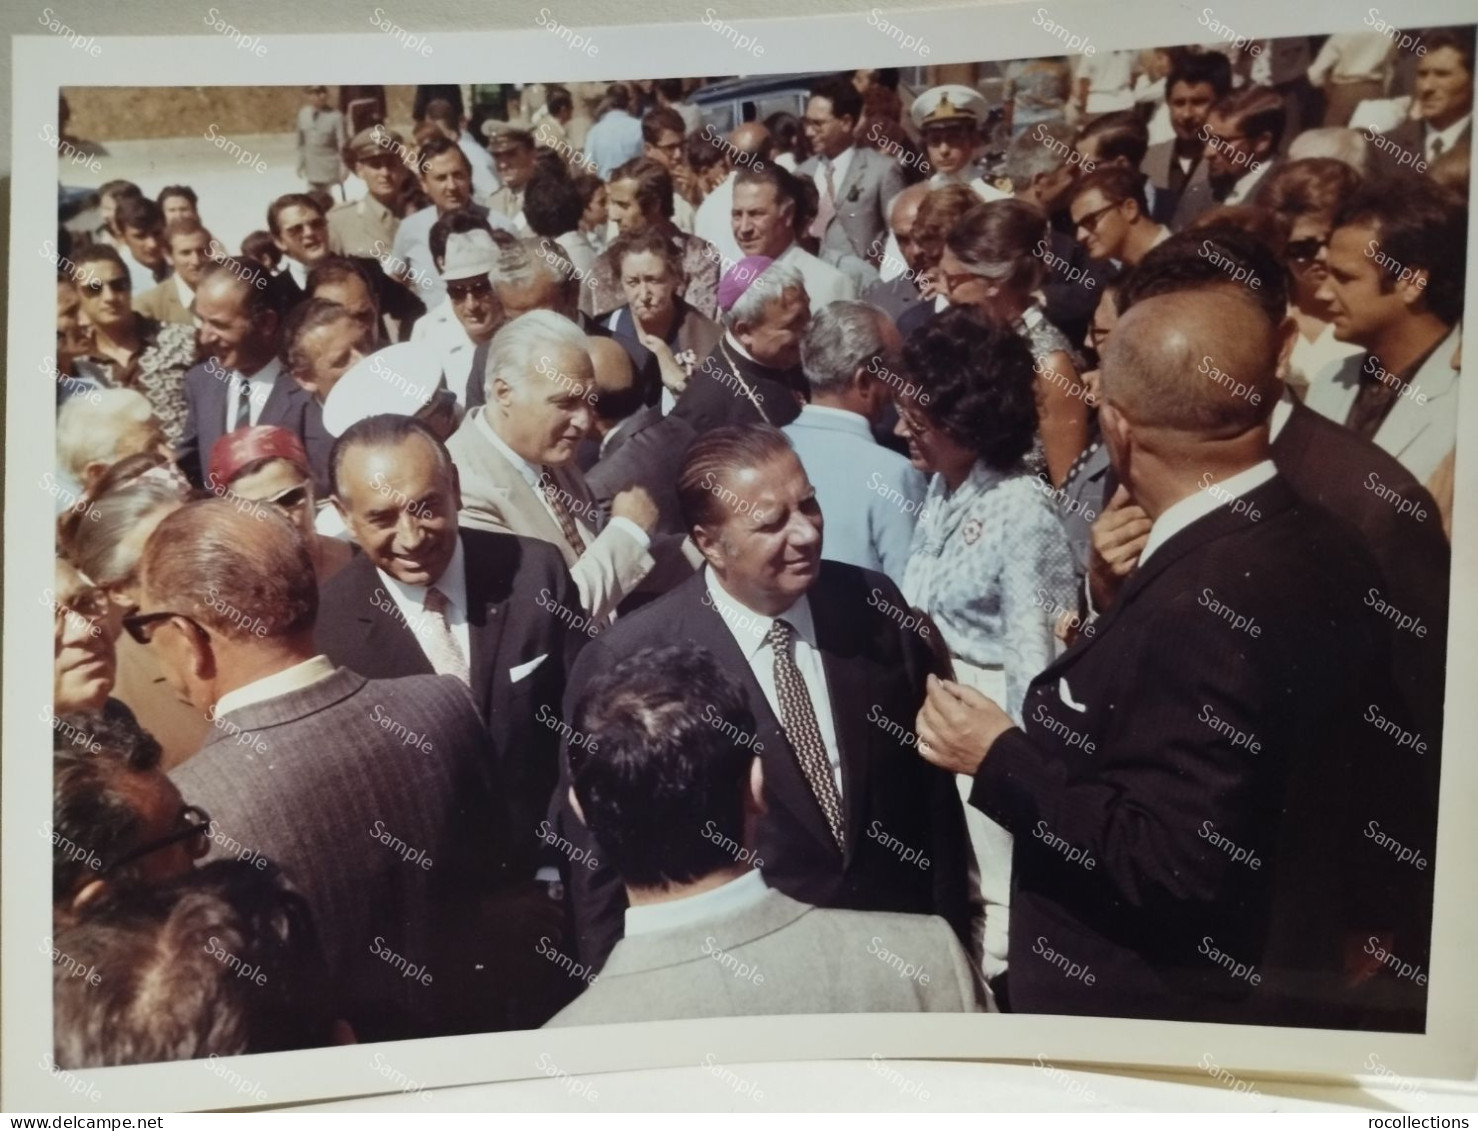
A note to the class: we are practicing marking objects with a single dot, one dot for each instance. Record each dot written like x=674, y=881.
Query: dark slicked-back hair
x=559, y=100
x=307, y=317
x=552, y=204
x=283, y=203
x=653, y=185
x=785, y=185
x=385, y=430
x=177, y=190
x=845, y=101
x=1418, y=224
x=1121, y=134
x=713, y=457
x=95, y=818
x=243, y=575
x=661, y=767
x=455, y=222
x=1257, y=110
x=96, y=253
x=659, y=120
x=980, y=383
x=434, y=147
x=1117, y=184
x=1189, y=262
x=140, y=213
x=1196, y=67
x=244, y=274
x=167, y=960
x=119, y=189
x=338, y=269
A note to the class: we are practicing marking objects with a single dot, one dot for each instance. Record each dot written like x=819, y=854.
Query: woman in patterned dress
x=995, y=259
x=989, y=562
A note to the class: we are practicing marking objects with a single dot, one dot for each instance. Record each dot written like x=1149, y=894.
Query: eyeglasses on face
x=314, y=225
x=1089, y=222
x=1307, y=249
x=195, y=823
x=142, y=626
x=471, y=288
x=119, y=286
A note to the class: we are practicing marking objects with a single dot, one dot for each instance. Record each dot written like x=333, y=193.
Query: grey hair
x=772, y=283
x=512, y=352
x=87, y=428
x=1031, y=155
x=843, y=337
x=1332, y=141
x=530, y=260
x=96, y=548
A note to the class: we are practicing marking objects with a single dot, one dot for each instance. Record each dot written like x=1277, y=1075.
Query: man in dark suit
x=854, y=184
x=754, y=376
x=373, y=796
x=241, y=381
x=832, y=679
x=1443, y=98
x=508, y=601
x=1220, y=714
x=1195, y=83
x=1243, y=134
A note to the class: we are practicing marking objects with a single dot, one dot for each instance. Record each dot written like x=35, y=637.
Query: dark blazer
x=875, y=673
x=205, y=414
x=893, y=297
x=647, y=452
x=477, y=392
x=1159, y=161
x=1126, y=755
x=715, y=394
x=515, y=590
x=1071, y=302
x=1410, y=136
x=1201, y=196
x=318, y=443
x=318, y=781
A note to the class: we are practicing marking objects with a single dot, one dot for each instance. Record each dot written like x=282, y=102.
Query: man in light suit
x=373, y=796
x=852, y=355
x=664, y=744
x=1443, y=100
x=831, y=676
x=1219, y=713
x=1242, y=133
x=855, y=185
x=241, y=381
x=515, y=458
x=188, y=246
x=1395, y=285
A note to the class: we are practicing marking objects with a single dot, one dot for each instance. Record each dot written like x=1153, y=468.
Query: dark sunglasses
x=290, y=499
x=1305, y=249
x=459, y=290
x=1089, y=222
x=118, y=286
x=197, y=825
x=141, y=626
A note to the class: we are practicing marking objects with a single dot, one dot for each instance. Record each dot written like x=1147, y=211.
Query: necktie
x=243, y=405
x=438, y=641
x=826, y=205
x=799, y=720
x=1437, y=147
x=554, y=496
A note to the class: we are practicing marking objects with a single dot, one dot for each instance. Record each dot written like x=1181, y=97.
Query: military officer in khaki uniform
x=513, y=152
x=378, y=158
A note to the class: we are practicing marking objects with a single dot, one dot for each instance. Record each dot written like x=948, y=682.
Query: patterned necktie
x=799, y=720
x=439, y=642
x=243, y=405
x=826, y=204
x=553, y=495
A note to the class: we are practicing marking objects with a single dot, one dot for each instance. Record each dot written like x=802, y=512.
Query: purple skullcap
x=738, y=278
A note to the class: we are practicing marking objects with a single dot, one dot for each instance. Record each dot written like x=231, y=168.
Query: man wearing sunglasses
x=308, y=764
x=1110, y=217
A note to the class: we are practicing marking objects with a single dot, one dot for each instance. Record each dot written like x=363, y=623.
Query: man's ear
x=575, y=805
x=710, y=546
x=1414, y=290
x=92, y=471
x=499, y=391
x=89, y=892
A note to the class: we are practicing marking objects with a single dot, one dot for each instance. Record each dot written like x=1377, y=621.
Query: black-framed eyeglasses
x=119, y=286
x=1089, y=222
x=460, y=290
x=141, y=625
x=197, y=825
x=1306, y=249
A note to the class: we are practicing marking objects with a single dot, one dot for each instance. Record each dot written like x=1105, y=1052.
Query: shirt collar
x=1449, y=136
x=739, y=894
x=298, y=272
x=452, y=583
x=750, y=628
x=182, y=288
x=1282, y=410
x=529, y=472
x=834, y=419
x=1200, y=503
x=295, y=678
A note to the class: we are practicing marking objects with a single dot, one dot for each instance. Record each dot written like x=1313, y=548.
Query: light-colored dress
x=989, y=563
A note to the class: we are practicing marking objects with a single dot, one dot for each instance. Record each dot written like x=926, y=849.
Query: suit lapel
x=384, y=633
x=284, y=404
x=855, y=169
x=1408, y=419
x=487, y=596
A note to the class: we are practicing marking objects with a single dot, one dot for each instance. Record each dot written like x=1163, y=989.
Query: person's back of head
x=1209, y=259
x=1120, y=137
x=1038, y=152
x=843, y=337
x=662, y=758
x=221, y=962
x=552, y=205
x=91, y=431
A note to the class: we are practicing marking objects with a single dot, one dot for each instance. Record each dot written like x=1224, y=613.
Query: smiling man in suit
x=833, y=678
x=241, y=381
x=855, y=184
x=1218, y=714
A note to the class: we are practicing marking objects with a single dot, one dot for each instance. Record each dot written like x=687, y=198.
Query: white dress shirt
x=295, y=678
x=1199, y=504
x=1450, y=136
x=839, y=166
x=262, y=383
x=411, y=601
x=299, y=273
x=738, y=894
x=530, y=475
x=824, y=283
x=749, y=629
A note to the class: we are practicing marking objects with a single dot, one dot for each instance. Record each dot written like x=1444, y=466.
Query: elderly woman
x=989, y=561
x=666, y=338
x=992, y=261
x=266, y=464
x=105, y=542
x=1307, y=195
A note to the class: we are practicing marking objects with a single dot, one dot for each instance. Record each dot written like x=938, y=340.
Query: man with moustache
x=187, y=245
x=1175, y=720
x=446, y=177
x=1242, y=135
x=367, y=226
x=515, y=457
x=747, y=146
x=1196, y=83
x=831, y=678
x=764, y=226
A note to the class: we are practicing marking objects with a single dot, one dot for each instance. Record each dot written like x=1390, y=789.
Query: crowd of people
x=616, y=570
